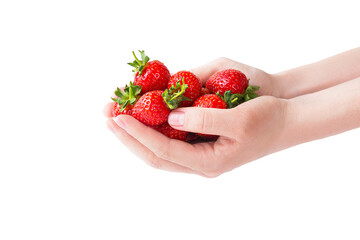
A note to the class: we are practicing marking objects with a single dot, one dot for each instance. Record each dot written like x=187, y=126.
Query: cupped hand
x=247, y=132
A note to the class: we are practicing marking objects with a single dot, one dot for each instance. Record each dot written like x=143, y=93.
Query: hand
x=253, y=129
x=247, y=132
x=267, y=82
x=232, y=149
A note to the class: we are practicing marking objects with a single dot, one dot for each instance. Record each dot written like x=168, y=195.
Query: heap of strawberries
x=154, y=93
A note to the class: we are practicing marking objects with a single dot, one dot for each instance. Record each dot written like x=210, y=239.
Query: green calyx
x=129, y=96
x=233, y=100
x=139, y=65
x=175, y=95
x=250, y=92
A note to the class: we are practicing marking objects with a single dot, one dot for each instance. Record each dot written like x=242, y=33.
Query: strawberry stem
x=181, y=92
x=175, y=94
x=136, y=59
x=138, y=64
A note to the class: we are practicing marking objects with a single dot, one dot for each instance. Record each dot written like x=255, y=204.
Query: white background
x=63, y=175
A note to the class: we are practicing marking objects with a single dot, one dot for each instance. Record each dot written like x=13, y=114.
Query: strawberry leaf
x=133, y=64
x=129, y=96
x=233, y=100
x=250, y=92
x=139, y=65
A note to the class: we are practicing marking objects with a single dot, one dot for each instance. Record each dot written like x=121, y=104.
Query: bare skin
x=295, y=106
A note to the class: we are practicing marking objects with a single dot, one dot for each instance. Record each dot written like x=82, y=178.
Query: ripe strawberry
x=225, y=80
x=125, y=99
x=233, y=86
x=153, y=108
x=209, y=101
x=194, y=86
x=170, y=132
x=153, y=75
x=116, y=111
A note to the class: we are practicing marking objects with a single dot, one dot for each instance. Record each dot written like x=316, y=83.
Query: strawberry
x=225, y=80
x=194, y=86
x=153, y=75
x=153, y=108
x=116, y=111
x=234, y=81
x=170, y=132
x=125, y=99
x=210, y=101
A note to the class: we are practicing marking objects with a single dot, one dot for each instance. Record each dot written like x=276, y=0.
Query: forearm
x=320, y=75
x=322, y=114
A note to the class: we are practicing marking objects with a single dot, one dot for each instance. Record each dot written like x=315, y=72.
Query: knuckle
x=205, y=122
x=162, y=153
x=154, y=163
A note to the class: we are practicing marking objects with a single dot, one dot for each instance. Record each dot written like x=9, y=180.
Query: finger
x=205, y=120
x=108, y=109
x=173, y=150
x=205, y=71
x=144, y=153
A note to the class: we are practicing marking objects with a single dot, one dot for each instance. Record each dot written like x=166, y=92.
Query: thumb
x=204, y=120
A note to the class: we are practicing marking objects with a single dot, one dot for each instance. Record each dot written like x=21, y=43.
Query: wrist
x=280, y=122
x=289, y=135
x=318, y=115
x=285, y=85
x=330, y=111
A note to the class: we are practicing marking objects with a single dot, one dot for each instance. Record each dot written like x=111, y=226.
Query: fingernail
x=177, y=118
x=119, y=122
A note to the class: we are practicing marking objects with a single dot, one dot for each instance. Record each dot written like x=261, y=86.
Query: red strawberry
x=225, y=80
x=170, y=132
x=194, y=86
x=233, y=86
x=153, y=75
x=117, y=110
x=153, y=108
x=210, y=101
x=125, y=99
